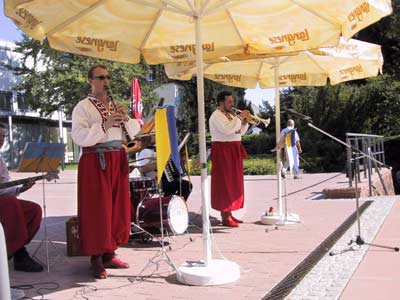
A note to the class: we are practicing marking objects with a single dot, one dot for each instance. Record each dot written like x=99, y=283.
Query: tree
x=361, y=106
x=187, y=110
x=52, y=79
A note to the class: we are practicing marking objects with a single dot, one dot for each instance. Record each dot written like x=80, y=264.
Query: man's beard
x=229, y=110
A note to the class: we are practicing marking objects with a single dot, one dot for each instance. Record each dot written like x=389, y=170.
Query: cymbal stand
x=359, y=240
x=46, y=241
x=161, y=255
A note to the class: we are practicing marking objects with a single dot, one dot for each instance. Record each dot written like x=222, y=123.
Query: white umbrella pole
x=5, y=293
x=282, y=217
x=202, y=145
x=211, y=271
x=278, y=134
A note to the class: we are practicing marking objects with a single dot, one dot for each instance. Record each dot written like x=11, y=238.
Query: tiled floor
x=264, y=253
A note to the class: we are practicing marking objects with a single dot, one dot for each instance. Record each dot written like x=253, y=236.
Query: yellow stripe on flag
x=188, y=167
x=163, y=147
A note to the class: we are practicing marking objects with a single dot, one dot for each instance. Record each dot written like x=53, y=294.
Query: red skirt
x=21, y=220
x=103, y=202
x=227, y=182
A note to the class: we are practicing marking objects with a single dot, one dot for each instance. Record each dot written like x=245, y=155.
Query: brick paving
x=378, y=276
x=329, y=277
x=265, y=256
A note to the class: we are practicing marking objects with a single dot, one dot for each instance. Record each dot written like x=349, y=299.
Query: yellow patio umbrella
x=350, y=60
x=164, y=30
x=172, y=30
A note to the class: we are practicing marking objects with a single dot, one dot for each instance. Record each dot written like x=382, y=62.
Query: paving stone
x=266, y=257
x=338, y=271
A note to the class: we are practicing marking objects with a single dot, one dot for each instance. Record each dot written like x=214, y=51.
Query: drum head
x=178, y=217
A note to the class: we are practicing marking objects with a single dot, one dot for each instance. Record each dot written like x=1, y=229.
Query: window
x=5, y=100
x=22, y=102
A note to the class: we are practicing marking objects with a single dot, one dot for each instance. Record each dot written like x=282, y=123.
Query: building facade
x=26, y=125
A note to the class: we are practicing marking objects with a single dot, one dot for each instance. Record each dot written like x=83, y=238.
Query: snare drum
x=140, y=184
x=175, y=215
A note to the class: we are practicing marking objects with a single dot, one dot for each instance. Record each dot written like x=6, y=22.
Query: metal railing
x=369, y=144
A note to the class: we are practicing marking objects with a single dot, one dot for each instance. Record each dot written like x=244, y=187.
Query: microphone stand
x=356, y=154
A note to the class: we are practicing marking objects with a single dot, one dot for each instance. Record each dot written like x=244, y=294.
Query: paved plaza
x=266, y=254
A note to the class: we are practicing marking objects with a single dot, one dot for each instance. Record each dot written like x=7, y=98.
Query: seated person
x=19, y=218
x=146, y=162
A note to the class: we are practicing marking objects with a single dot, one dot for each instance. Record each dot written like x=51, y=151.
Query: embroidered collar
x=226, y=114
x=104, y=112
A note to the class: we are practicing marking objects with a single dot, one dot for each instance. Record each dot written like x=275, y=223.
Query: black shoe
x=23, y=262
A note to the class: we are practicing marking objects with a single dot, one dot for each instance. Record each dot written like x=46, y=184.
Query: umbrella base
x=280, y=219
x=217, y=272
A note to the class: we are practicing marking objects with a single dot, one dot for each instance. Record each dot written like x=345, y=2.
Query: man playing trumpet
x=227, y=155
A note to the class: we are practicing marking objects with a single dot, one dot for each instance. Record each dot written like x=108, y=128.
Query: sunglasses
x=102, y=77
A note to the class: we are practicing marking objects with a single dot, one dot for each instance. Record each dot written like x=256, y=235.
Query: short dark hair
x=221, y=96
x=92, y=68
x=4, y=126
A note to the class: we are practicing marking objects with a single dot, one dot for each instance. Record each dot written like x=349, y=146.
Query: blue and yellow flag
x=166, y=139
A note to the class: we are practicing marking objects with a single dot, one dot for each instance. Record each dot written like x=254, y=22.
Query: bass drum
x=175, y=215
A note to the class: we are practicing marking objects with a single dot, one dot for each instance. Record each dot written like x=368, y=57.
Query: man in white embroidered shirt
x=99, y=126
x=227, y=155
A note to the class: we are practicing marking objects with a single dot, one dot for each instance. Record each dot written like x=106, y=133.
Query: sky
x=9, y=32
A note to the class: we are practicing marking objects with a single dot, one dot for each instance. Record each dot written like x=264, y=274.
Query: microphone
x=299, y=115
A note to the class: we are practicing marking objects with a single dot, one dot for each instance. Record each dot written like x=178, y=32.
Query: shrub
x=258, y=144
x=253, y=165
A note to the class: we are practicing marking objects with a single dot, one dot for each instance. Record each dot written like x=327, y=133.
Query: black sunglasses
x=102, y=77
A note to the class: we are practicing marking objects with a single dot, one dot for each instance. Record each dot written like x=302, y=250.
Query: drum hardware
x=161, y=215
x=162, y=254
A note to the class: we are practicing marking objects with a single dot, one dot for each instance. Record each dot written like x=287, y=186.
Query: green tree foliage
x=52, y=78
x=386, y=33
x=187, y=116
x=370, y=106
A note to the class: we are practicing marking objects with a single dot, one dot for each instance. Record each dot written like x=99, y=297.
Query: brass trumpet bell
x=254, y=120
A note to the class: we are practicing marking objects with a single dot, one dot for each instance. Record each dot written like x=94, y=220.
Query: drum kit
x=152, y=212
x=147, y=217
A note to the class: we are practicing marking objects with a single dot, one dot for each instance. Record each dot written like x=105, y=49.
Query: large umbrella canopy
x=172, y=30
x=350, y=60
x=164, y=30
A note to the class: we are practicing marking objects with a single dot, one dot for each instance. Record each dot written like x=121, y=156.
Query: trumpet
x=254, y=120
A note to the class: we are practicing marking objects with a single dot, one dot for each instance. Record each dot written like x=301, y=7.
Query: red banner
x=136, y=101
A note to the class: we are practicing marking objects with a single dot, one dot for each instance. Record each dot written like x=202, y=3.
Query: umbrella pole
x=210, y=271
x=278, y=135
x=4, y=278
x=205, y=200
x=282, y=217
